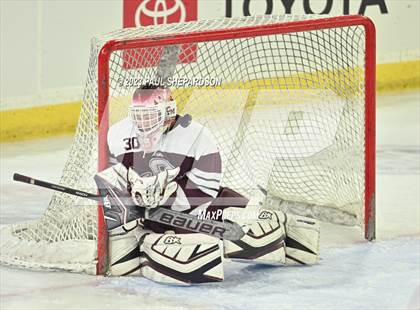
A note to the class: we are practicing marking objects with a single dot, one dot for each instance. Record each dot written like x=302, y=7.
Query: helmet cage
x=151, y=119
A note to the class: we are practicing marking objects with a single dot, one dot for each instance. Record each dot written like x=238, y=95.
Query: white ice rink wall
x=44, y=49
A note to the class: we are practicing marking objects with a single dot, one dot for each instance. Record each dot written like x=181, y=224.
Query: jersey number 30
x=131, y=143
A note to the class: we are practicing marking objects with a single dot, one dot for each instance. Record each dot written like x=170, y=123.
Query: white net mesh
x=287, y=113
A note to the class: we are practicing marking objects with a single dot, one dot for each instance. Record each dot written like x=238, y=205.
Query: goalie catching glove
x=153, y=191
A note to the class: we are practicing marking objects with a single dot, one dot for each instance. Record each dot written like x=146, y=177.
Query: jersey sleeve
x=201, y=184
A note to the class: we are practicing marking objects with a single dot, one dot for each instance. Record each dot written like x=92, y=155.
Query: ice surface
x=352, y=274
x=378, y=275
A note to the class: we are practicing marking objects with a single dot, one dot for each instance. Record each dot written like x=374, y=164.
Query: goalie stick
x=224, y=230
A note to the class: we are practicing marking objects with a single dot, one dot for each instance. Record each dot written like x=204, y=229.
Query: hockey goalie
x=159, y=159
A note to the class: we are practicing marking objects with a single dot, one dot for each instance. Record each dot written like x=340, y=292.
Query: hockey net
x=290, y=102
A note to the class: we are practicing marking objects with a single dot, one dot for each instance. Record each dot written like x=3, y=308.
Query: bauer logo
x=138, y=13
x=265, y=215
x=172, y=240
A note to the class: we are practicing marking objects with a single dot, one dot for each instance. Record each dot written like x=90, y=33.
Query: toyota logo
x=160, y=11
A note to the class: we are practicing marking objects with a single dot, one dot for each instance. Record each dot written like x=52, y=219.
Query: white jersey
x=192, y=148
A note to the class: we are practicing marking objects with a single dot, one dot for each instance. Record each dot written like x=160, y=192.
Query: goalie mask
x=152, y=111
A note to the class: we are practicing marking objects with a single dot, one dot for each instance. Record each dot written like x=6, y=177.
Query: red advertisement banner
x=138, y=13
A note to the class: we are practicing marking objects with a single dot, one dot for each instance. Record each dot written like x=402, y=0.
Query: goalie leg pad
x=181, y=259
x=302, y=239
x=264, y=242
x=123, y=250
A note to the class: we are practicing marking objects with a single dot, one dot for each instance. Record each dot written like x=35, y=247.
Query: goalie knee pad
x=264, y=241
x=181, y=258
x=302, y=239
x=123, y=249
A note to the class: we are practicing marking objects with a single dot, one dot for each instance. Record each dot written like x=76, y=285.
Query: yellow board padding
x=398, y=76
x=58, y=119
x=38, y=122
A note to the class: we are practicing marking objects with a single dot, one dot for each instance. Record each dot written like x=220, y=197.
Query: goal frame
x=237, y=33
